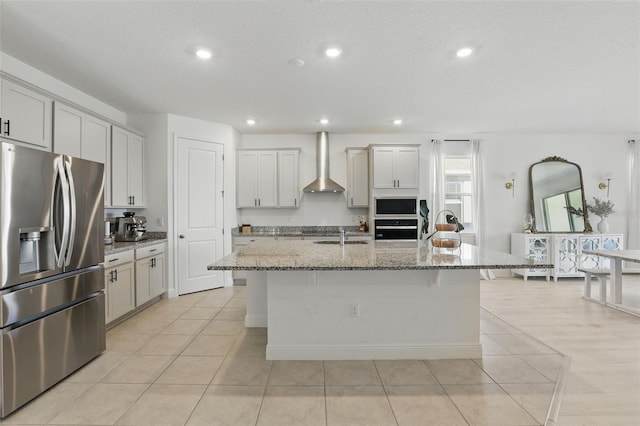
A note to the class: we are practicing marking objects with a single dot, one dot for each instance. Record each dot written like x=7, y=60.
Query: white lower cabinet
x=132, y=278
x=119, y=285
x=565, y=251
x=150, y=272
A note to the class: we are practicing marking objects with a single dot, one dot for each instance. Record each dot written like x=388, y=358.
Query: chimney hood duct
x=323, y=182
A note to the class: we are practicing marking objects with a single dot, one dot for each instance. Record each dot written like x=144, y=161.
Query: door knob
x=181, y=236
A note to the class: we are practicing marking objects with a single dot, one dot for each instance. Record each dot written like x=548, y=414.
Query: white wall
x=596, y=155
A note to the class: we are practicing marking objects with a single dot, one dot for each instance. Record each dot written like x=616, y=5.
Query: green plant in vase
x=602, y=209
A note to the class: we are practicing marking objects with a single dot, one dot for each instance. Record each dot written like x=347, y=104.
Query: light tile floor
x=191, y=361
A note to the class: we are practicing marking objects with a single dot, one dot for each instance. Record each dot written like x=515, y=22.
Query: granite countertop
x=121, y=246
x=298, y=231
x=275, y=255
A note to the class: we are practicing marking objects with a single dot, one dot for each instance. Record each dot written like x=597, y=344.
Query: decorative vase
x=603, y=226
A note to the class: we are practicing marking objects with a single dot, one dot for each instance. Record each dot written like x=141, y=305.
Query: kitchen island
x=366, y=300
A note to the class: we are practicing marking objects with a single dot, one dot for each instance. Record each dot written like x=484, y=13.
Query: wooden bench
x=603, y=276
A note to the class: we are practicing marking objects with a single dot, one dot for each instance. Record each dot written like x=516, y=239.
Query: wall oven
x=396, y=229
x=395, y=206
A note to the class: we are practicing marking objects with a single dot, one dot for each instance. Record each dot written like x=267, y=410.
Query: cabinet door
x=357, y=178
x=143, y=274
x=96, y=144
x=589, y=242
x=383, y=176
x=566, y=256
x=288, y=179
x=68, y=128
x=135, y=170
x=268, y=179
x=107, y=304
x=28, y=114
x=119, y=169
x=156, y=278
x=247, y=179
x=122, y=297
x=406, y=167
x=537, y=249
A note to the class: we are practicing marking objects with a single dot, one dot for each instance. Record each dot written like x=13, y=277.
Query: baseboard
x=255, y=321
x=373, y=352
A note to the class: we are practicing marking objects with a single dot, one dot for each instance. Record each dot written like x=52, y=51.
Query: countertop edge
x=119, y=247
x=371, y=268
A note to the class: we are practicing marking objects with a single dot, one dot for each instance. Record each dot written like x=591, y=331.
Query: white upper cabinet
x=85, y=136
x=25, y=116
x=96, y=146
x=396, y=167
x=268, y=178
x=127, y=169
x=68, y=129
x=289, y=178
x=357, y=177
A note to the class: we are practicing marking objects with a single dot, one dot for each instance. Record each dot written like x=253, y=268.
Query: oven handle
x=396, y=227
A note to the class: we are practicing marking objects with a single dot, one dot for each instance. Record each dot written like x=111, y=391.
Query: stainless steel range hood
x=323, y=182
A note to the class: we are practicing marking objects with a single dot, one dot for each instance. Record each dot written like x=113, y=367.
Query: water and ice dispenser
x=36, y=250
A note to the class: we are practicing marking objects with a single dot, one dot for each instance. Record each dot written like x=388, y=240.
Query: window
x=458, y=189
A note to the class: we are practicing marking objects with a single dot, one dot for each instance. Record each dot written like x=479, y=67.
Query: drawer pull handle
x=113, y=260
x=151, y=251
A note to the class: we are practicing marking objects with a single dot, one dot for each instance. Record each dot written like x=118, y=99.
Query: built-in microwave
x=395, y=206
x=396, y=229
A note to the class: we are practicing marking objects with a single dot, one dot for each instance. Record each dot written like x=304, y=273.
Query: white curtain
x=437, y=178
x=633, y=218
x=479, y=218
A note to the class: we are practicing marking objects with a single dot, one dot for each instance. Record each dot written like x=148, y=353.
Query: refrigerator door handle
x=73, y=205
x=64, y=186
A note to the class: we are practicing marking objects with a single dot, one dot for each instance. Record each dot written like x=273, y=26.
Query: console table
x=567, y=252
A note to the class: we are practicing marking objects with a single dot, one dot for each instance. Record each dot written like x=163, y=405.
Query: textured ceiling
x=538, y=67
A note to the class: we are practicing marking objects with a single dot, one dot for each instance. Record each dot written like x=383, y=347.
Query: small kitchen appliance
x=130, y=228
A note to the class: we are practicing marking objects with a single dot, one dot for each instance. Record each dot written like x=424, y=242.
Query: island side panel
x=387, y=314
x=256, y=299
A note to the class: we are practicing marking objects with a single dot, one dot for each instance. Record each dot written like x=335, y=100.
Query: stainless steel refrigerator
x=51, y=284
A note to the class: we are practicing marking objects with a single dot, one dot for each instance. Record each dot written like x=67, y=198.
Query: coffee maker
x=130, y=228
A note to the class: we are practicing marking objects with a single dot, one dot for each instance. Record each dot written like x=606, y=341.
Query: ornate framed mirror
x=557, y=196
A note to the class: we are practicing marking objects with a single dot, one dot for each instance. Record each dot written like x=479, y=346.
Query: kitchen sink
x=338, y=242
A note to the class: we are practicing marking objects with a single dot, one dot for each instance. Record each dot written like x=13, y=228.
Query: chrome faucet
x=341, y=236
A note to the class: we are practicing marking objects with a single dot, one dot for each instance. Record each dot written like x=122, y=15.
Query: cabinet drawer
x=118, y=258
x=153, y=250
x=243, y=241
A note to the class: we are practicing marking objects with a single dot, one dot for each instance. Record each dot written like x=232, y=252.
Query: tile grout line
x=446, y=393
x=395, y=418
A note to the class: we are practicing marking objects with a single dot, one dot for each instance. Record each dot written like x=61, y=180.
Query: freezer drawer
x=21, y=305
x=39, y=354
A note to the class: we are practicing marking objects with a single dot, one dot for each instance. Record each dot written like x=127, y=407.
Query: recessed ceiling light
x=324, y=121
x=203, y=53
x=397, y=121
x=250, y=121
x=464, y=52
x=333, y=52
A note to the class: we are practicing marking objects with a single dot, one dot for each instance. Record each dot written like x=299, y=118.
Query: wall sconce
x=606, y=185
x=511, y=185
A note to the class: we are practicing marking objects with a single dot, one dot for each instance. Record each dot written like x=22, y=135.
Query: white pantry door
x=199, y=214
